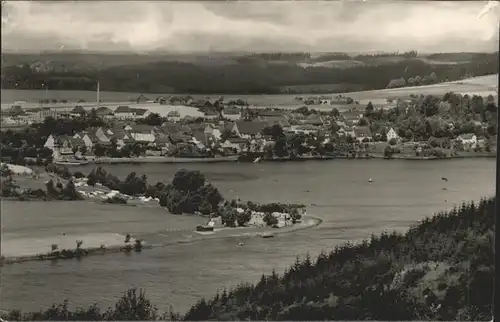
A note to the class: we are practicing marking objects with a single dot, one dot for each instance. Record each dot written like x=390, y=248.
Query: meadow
x=484, y=86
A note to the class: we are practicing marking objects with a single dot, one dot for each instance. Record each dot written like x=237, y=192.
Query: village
x=205, y=129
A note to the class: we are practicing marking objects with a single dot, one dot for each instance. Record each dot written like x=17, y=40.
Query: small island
x=188, y=194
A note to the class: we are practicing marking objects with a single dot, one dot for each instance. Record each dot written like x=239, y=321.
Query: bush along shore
x=441, y=269
x=188, y=193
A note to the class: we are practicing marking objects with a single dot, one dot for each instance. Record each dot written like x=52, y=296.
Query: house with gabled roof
x=78, y=110
x=280, y=120
x=103, y=135
x=263, y=113
x=201, y=139
x=249, y=129
x=104, y=112
x=200, y=103
x=363, y=133
x=86, y=138
x=351, y=116
x=63, y=144
x=141, y=99
x=142, y=133
x=16, y=110
x=305, y=129
x=210, y=114
x=314, y=119
x=123, y=112
x=232, y=113
x=161, y=100
x=468, y=140
x=140, y=113
x=235, y=144
x=178, y=100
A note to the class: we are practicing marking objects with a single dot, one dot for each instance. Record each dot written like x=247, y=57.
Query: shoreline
x=225, y=232
x=153, y=159
x=175, y=160
x=432, y=158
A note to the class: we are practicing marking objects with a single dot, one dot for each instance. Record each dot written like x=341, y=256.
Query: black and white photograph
x=249, y=160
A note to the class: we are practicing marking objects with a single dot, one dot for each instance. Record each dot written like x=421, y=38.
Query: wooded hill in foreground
x=441, y=269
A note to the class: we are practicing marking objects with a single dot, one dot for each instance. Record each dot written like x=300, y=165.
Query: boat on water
x=267, y=235
x=257, y=160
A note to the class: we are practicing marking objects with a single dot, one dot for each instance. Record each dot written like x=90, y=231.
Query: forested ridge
x=253, y=74
x=441, y=269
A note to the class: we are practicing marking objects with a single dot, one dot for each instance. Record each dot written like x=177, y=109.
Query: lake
x=402, y=193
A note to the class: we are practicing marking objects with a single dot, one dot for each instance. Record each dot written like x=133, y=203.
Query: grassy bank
x=441, y=269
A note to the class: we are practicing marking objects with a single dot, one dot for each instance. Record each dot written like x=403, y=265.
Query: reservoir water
x=402, y=192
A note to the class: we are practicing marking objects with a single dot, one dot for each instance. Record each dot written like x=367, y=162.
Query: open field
x=483, y=85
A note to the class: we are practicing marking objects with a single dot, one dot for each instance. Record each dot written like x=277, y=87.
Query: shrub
x=78, y=175
x=270, y=220
x=116, y=200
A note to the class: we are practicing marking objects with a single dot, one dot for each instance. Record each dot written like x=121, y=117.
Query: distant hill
x=241, y=73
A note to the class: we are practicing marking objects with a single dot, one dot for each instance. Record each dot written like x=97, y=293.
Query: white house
x=391, y=134
x=305, y=129
x=50, y=143
x=468, y=140
x=210, y=130
x=85, y=138
x=140, y=113
x=143, y=137
x=124, y=112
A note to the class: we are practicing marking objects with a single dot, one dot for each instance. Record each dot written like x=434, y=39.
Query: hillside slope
x=441, y=269
x=482, y=85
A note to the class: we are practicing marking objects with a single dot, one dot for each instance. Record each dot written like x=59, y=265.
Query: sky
x=250, y=26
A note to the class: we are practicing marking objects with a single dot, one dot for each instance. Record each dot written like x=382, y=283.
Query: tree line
x=245, y=77
x=440, y=269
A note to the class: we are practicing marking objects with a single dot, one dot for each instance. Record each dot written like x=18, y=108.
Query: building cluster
x=232, y=126
x=232, y=129
x=16, y=115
